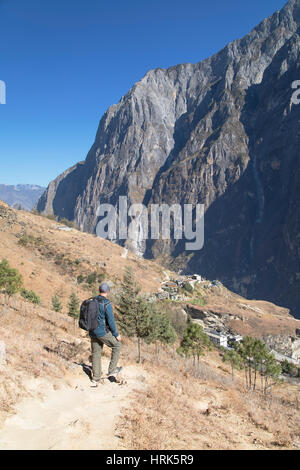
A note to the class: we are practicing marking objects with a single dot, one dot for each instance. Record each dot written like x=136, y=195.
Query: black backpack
x=89, y=311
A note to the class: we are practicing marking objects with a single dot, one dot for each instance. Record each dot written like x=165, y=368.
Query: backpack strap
x=105, y=305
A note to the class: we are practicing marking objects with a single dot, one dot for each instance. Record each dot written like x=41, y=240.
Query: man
x=105, y=333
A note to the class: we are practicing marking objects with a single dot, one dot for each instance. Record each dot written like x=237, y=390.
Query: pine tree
x=127, y=303
x=194, y=342
x=271, y=370
x=10, y=279
x=134, y=314
x=234, y=359
x=246, y=349
x=137, y=317
x=142, y=322
x=257, y=359
x=56, y=303
x=73, y=305
x=166, y=333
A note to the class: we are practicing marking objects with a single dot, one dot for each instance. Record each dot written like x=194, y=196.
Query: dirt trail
x=73, y=417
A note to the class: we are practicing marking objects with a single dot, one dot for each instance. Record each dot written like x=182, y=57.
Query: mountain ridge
x=21, y=195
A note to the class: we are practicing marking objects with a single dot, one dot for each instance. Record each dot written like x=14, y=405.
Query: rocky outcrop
x=213, y=320
x=223, y=133
x=7, y=217
x=288, y=346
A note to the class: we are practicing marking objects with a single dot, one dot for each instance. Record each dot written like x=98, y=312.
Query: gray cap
x=104, y=287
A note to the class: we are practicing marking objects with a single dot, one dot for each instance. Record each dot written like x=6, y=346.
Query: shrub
x=73, y=305
x=29, y=240
x=199, y=301
x=188, y=288
x=56, y=303
x=10, y=279
x=31, y=296
x=25, y=240
x=51, y=217
x=80, y=279
x=289, y=369
x=68, y=223
x=91, y=279
x=101, y=277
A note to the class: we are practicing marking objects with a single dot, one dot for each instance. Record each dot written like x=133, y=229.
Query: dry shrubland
x=182, y=409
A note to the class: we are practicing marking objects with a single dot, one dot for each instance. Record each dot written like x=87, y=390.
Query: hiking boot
x=95, y=383
x=116, y=380
x=115, y=372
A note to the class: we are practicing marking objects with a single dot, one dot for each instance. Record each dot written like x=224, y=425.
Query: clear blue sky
x=66, y=61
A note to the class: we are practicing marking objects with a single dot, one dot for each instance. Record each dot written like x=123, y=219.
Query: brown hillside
x=245, y=317
x=51, y=256
x=162, y=403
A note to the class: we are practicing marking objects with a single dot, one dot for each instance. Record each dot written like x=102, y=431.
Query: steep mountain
x=21, y=195
x=224, y=133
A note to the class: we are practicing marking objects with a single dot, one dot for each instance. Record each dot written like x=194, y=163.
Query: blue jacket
x=105, y=319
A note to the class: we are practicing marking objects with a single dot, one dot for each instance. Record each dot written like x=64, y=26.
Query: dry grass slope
x=175, y=409
x=51, y=258
x=180, y=411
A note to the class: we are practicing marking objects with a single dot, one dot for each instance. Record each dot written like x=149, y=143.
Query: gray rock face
x=223, y=133
x=286, y=345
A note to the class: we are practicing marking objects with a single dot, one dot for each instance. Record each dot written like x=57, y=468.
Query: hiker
x=105, y=333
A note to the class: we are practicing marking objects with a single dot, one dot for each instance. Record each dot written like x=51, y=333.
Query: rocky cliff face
x=286, y=345
x=224, y=133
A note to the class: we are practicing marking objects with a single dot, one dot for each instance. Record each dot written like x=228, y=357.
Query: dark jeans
x=97, y=346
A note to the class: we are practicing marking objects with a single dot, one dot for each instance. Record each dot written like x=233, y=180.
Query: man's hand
x=119, y=338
